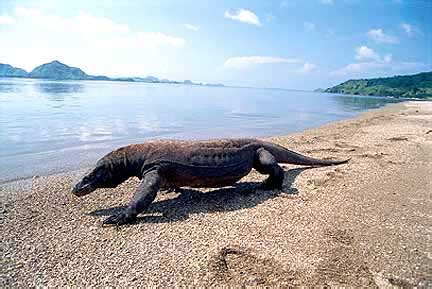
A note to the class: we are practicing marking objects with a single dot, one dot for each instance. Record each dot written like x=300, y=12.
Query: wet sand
x=365, y=223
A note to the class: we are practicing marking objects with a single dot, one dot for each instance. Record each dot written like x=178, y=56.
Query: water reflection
x=60, y=88
x=57, y=92
x=49, y=125
x=9, y=87
x=358, y=103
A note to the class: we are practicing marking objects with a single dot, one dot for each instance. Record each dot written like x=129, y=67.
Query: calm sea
x=50, y=126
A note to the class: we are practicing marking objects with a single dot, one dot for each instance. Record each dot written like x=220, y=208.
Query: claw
x=271, y=184
x=119, y=219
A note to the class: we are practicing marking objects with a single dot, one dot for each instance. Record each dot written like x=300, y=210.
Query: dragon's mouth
x=82, y=189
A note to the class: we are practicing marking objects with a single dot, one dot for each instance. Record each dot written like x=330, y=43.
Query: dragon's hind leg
x=265, y=163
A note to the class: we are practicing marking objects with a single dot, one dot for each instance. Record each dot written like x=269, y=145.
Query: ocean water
x=56, y=126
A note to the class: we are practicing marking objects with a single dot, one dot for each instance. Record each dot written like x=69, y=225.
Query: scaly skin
x=174, y=164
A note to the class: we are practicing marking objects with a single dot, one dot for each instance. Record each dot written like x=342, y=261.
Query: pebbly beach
x=364, y=223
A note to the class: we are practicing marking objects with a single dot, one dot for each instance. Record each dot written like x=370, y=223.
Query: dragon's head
x=99, y=177
x=108, y=173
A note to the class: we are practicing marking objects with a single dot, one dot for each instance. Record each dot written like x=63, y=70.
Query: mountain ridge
x=11, y=71
x=56, y=70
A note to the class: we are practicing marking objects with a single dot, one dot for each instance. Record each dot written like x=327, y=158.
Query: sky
x=290, y=44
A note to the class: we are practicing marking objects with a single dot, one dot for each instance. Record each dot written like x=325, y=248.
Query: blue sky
x=287, y=43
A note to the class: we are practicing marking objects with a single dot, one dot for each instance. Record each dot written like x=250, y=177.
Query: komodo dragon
x=173, y=164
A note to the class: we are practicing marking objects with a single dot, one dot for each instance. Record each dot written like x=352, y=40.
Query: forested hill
x=407, y=86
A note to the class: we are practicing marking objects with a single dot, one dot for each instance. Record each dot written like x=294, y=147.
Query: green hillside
x=407, y=86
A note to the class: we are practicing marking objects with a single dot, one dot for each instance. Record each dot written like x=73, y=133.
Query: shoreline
x=220, y=85
x=365, y=223
x=14, y=181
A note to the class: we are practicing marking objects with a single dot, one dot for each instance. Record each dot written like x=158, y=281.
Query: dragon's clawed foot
x=272, y=184
x=119, y=219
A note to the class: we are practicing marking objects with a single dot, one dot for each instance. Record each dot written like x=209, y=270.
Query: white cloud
x=243, y=15
x=327, y=2
x=379, y=36
x=192, y=27
x=309, y=26
x=410, y=30
x=86, y=24
x=145, y=39
x=6, y=20
x=97, y=44
x=407, y=28
x=307, y=67
x=388, y=58
x=91, y=24
x=373, y=64
x=294, y=65
x=248, y=61
x=366, y=53
x=377, y=68
x=81, y=23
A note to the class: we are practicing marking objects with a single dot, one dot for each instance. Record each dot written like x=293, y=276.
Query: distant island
x=406, y=86
x=55, y=70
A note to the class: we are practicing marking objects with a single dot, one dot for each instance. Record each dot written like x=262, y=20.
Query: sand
x=365, y=223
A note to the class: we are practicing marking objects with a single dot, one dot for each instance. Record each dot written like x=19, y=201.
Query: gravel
x=365, y=223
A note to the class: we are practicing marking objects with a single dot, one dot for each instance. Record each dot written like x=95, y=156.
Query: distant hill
x=407, y=86
x=59, y=71
x=7, y=70
x=320, y=90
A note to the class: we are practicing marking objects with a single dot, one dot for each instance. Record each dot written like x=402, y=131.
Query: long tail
x=284, y=155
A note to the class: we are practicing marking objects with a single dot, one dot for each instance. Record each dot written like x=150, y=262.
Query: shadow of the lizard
x=191, y=201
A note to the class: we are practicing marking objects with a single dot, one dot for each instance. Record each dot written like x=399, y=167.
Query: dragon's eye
x=100, y=172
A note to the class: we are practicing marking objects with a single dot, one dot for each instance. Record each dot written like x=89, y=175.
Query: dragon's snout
x=82, y=188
